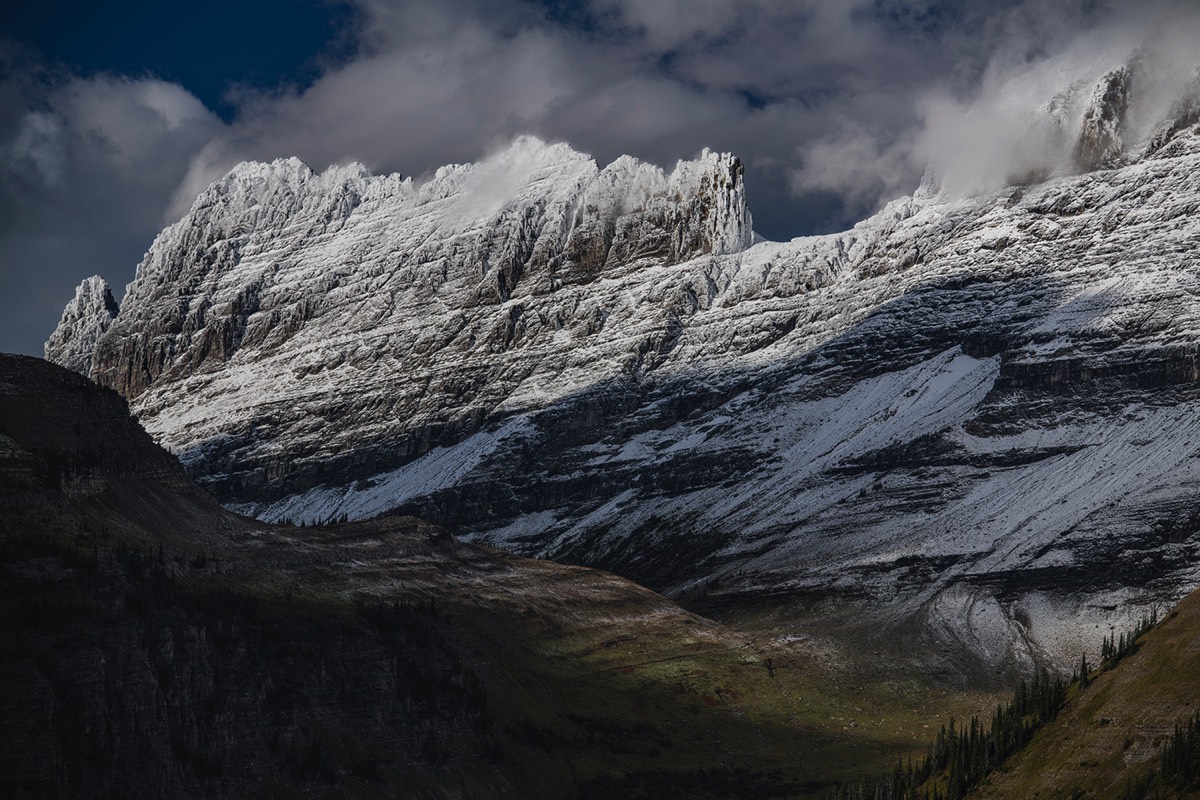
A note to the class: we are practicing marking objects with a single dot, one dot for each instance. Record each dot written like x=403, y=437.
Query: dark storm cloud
x=835, y=105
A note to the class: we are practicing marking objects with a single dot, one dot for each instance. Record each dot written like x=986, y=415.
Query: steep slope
x=1110, y=738
x=972, y=415
x=153, y=644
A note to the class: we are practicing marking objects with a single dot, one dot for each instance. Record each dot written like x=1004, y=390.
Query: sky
x=114, y=116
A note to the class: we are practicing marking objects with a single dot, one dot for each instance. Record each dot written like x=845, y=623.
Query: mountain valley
x=646, y=399
x=156, y=644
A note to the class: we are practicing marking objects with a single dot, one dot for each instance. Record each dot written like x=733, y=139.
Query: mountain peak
x=271, y=247
x=1103, y=129
x=83, y=322
x=282, y=168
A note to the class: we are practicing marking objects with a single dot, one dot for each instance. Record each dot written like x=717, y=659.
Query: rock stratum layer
x=977, y=414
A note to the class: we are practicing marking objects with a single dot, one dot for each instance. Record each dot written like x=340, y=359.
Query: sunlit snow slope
x=978, y=413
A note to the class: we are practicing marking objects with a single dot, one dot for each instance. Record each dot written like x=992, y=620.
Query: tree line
x=1115, y=648
x=962, y=755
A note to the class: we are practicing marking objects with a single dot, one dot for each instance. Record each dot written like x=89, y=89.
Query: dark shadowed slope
x=156, y=645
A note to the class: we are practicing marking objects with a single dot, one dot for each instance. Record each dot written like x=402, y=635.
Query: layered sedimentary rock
x=977, y=412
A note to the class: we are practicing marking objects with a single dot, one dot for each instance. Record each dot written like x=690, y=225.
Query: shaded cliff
x=83, y=322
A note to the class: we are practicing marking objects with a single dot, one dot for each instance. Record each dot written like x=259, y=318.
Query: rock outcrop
x=1102, y=134
x=84, y=321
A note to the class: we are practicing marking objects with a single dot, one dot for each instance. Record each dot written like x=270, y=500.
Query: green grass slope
x=1109, y=738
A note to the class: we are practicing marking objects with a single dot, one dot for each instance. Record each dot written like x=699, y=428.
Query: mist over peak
x=1086, y=107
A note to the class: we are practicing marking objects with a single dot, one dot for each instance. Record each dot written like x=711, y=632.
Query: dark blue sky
x=206, y=47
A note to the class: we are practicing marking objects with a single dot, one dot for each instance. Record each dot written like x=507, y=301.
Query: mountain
x=84, y=321
x=153, y=644
x=970, y=421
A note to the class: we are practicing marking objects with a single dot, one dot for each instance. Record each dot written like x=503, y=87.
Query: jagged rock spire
x=84, y=321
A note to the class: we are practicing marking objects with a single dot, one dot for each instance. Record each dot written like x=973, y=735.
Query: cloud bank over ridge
x=836, y=107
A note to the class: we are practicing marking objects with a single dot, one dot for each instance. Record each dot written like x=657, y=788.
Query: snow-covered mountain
x=84, y=321
x=977, y=413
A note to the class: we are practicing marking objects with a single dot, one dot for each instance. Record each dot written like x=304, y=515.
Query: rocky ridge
x=973, y=414
x=84, y=321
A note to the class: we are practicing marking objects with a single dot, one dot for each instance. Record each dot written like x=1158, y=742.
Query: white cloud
x=127, y=120
x=439, y=82
x=857, y=167
x=667, y=24
x=1024, y=118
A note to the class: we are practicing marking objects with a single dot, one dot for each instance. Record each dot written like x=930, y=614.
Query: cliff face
x=1102, y=133
x=274, y=258
x=972, y=413
x=84, y=321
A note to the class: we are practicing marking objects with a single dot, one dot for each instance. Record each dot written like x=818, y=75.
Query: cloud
x=439, y=82
x=1023, y=119
x=36, y=153
x=411, y=104
x=668, y=24
x=85, y=168
x=858, y=167
x=1018, y=115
